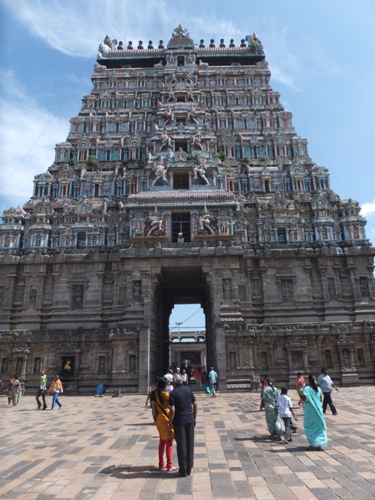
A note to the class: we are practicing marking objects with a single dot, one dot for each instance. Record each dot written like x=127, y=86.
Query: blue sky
x=320, y=53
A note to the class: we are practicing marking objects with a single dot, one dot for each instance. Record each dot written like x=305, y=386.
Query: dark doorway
x=181, y=143
x=281, y=235
x=180, y=180
x=181, y=224
x=81, y=240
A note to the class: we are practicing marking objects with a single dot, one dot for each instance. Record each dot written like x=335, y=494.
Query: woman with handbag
x=56, y=389
x=160, y=411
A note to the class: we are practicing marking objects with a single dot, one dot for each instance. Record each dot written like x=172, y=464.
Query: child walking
x=286, y=411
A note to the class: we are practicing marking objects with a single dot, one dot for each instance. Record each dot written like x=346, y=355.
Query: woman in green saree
x=313, y=420
x=274, y=423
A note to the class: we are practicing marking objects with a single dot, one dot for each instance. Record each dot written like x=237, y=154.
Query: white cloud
x=368, y=208
x=77, y=28
x=29, y=134
x=368, y=211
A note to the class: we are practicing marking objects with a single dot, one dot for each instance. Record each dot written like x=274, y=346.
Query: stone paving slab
x=106, y=449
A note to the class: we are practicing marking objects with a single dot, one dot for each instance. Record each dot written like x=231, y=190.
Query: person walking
x=274, y=423
x=56, y=389
x=286, y=411
x=9, y=390
x=183, y=416
x=185, y=377
x=198, y=376
x=42, y=391
x=204, y=380
x=168, y=377
x=326, y=384
x=160, y=411
x=212, y=377
x=16, y=391
x=313, y=417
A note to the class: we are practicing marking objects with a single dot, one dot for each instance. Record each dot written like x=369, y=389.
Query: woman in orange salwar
x=160, y=410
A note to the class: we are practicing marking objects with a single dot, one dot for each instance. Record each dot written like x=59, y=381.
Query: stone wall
x=279, y=310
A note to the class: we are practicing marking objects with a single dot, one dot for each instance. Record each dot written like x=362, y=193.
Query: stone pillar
x=221, y=366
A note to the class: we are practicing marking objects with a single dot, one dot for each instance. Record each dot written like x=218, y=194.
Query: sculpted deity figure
x=154, y=223
x=171, y=155
x=108, y=42
x=171, y=59
x=168, y=116
x=201, y=170
x=83, y=172
x=192, y=116
x=160, y=171
x=33, y=294
x=171, y=97
x=137, y=291
x=172, y=77
x=180, y=30
x=107, y=46
x=205, y=222
x=166, y=142
x=196, y=141
x=190, y=58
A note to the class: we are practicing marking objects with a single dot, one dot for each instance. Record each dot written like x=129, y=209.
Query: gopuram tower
x=183, y=180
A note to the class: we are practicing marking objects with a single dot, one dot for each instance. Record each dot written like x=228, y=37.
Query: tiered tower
x=183, y=180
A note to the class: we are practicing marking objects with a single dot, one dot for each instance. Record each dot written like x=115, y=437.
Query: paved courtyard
x=106, y=448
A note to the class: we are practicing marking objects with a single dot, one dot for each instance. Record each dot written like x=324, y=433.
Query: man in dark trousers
x=42, y=391
x=183, y=416
x=326, y=384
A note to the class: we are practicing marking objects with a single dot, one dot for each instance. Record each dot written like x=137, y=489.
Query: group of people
x=14, y=391
x=174, y=410
x=314, y=396
x=56, y=388
x=197, y=373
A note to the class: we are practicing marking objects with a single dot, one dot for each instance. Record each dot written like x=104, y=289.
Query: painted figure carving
x=166, y=142
x=205, y=222
x=196, y=141
x=201, y=170
x=160, y=171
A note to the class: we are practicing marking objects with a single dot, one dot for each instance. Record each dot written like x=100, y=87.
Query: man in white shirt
x=168, y=377
x=326, y=384
x=286, y=411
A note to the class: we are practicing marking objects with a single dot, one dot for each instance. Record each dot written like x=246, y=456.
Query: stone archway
x=175, y=285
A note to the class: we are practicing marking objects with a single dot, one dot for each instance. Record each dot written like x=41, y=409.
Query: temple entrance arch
x=171, y=286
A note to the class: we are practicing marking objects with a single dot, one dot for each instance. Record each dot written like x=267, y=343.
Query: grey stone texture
x=86, y=429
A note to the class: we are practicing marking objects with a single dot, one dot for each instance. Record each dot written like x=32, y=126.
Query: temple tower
x=183, y=180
